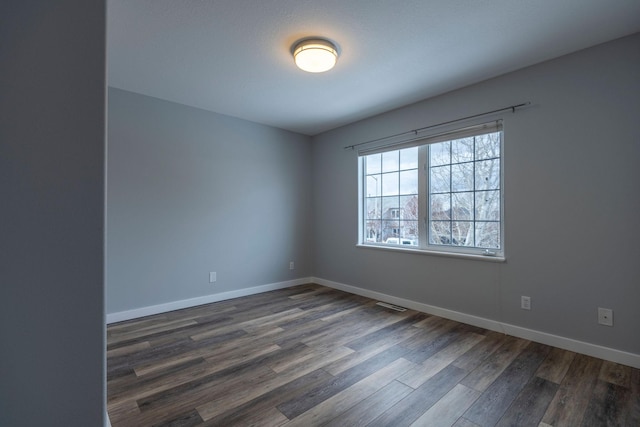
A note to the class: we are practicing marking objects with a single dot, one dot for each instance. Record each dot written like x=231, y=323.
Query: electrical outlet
x=525, y=303
x=605, y=316
x=212, y=276
x=291, y=265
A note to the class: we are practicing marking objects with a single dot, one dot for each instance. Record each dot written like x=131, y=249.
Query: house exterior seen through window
x=443, y=195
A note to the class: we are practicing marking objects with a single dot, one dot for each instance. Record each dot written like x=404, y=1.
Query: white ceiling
x=233, y=56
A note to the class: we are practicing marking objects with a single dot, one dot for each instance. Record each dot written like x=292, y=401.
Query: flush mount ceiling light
x=315, y=55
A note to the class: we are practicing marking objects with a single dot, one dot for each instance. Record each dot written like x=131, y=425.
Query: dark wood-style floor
x=311, y=355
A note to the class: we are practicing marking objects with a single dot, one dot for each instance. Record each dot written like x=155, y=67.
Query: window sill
x=435, y=253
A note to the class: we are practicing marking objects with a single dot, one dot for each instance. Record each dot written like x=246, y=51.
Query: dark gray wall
x=189, y=192
x=572, y=183
x=52, y=142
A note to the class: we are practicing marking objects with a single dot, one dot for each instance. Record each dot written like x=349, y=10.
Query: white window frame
x=424, y=246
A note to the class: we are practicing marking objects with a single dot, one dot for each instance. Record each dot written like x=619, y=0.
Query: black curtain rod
x=416, y=131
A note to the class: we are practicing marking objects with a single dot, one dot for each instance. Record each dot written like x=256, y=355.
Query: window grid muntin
x=393, y=223
x=474, y=191
x=488, y=218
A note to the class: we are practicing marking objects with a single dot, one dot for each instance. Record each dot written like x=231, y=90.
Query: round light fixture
x=315, y=55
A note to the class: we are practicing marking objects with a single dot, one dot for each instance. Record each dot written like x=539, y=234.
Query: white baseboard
x=582, y=347
x=606, y=353
x=207, y=299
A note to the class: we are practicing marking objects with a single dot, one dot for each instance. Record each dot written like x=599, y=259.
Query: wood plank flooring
x=311, y=355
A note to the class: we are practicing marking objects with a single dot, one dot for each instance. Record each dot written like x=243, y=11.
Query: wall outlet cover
x=605, y=316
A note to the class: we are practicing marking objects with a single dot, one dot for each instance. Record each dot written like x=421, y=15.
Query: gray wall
x=52, y=127
x=572, y=181
x=190, y=191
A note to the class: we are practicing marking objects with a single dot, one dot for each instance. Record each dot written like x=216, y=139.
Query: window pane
x=440, y=233
x=373, y=163
x=462, y=177
x=409, y=207
x=409, y=232
x=409, y=182
x=390, y=161
x=373, y=185
x=488, y=235
x=462, y=233
x=440, y=153
x=373, y=231
x=462, y=150
x=439, y=179
x=409, y=158
x=374, y=208
x=488, y=146
x=390, y=229
x=488, y=175
x=488, y=205
x=390, y=184
x=440, y=208
x=462, y=206
x=389, y=205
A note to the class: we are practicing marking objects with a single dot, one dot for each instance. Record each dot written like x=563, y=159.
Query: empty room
x=433, y=222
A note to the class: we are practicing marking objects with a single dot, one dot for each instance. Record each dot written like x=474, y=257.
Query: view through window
x=443, y=195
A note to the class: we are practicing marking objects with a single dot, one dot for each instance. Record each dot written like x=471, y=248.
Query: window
x=442, y=193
